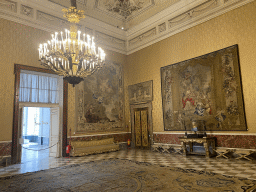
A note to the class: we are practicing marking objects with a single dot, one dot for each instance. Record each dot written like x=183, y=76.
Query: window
x=38, y=87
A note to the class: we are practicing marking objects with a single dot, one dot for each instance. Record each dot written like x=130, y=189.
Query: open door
x=45, y=126
x=54, y=133
x=20, y=138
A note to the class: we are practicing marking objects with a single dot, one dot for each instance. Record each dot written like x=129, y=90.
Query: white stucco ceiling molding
x=9, y=5
x=110, y=42
x=143, y=37
x=48, y=16
x=133, y=15
x=182, y=17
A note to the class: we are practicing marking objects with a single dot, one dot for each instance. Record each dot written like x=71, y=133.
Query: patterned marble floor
x=230, y=167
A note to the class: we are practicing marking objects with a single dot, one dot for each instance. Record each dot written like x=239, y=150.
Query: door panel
x=144, y=127
x=141, y=128
x=45, y=121
x=137, y=128
x=54, y=133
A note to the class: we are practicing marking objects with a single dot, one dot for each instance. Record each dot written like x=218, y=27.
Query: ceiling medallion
x=69, y=54
x=124, y=7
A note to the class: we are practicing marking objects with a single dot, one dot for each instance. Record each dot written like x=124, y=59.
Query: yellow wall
x=19, y=44
x=235, y=27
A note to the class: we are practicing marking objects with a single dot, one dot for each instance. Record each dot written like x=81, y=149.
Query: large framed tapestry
x=141, y=92
x=100, y=101
x=204, y=89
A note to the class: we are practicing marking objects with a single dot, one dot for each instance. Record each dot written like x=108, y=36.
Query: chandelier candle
x=70, y=56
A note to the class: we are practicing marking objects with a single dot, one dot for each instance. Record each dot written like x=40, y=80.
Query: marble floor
x=230, y=167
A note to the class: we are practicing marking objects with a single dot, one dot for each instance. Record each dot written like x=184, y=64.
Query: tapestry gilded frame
x=204, y=89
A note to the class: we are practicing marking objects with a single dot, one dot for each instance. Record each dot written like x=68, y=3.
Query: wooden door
x=20, y=138
x=141, y=128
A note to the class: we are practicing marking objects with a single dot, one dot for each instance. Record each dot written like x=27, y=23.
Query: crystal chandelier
x=71, y=54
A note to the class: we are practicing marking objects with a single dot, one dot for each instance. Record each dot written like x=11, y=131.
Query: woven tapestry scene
x=206, y=90
x=124, y=175
x=99, y=100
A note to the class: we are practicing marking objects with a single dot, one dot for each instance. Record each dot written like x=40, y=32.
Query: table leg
x=213, y=148
x=206, y=146
x=183, y=144
x=190, y=146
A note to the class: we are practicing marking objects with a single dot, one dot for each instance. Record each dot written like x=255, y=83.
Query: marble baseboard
x=5, y=148
x=229, y=141
x=118, y=138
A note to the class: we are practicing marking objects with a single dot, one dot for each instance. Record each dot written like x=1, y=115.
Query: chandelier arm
x=70, y=65
x=62, y=71
x=79, y=66
x=73, y=3
x=51, y=66
x=85, y=73
x=62, y=68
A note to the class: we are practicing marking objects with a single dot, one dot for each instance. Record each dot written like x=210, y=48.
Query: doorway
x=141, y=128
x=39, y=133
x=141, y=125
x=62, y=95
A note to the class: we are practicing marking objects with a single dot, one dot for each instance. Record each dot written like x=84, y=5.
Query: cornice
x=183, y=15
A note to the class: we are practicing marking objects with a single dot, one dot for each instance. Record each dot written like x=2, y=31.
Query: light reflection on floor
x=34, y=157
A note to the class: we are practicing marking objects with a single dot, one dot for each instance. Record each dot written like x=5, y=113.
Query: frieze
x=88, y=31
x=107, y=38
x=50, y=19
x=143, y=37
x=162, y=27
x=80, y=3
x=8, y=5
x=25, y=10
x=192, y=13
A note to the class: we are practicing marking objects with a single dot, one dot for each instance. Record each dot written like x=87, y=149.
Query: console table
x=207, y=142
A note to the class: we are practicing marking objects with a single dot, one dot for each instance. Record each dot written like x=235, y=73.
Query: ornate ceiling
x=124, y=26
x=120, y=13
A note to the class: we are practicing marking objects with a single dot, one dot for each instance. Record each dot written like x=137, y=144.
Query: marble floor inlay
x=230, y=167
